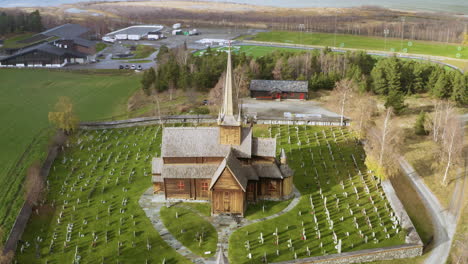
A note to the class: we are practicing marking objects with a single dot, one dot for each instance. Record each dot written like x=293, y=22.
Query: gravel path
x=444, y=222
x=224, y=225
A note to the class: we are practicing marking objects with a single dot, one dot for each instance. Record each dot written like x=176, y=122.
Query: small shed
x=278, y=89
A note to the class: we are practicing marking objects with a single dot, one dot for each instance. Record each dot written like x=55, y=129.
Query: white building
x=132, y=32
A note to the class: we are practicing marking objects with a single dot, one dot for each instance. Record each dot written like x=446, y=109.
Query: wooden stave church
x=225, y=164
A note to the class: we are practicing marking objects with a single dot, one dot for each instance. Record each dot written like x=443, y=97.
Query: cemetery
x=92, y=215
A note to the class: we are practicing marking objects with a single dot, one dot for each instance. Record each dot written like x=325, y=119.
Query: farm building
x=155, y=35
x=225, y=164
x=132, y=33
x=55, y=47
x=275, y=89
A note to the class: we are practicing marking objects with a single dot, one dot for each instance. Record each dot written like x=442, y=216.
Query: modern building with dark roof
x=276, y=89
x=56, y=47
x=225, y=164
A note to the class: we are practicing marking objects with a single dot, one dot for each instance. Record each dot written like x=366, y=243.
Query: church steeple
x=226, y=115
x=230, y=126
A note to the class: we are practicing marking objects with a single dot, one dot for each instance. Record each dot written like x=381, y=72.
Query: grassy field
x=327, y=162
x=252, y=50
x=95, y=186
x=188, y=227
x=28, y=96
x=368, y=43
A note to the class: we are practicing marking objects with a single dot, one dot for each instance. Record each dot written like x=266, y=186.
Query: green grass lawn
x=368, y=43
x=252, y=50
x=101, y=46
x=188, y=227
x=265, y=208
x=202, y=208
x=317, y=173
x=27, y=97
x=95, y=185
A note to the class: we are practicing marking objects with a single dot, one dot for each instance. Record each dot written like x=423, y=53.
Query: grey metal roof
x=156, y=165
x=268, y=170
x=202, y=142
x=264, y=147
x=140, y=30
x=84, y=42
x=48, y=48
x=189, y=171
x=67, y=31
x=279, y=85
x=234, y=165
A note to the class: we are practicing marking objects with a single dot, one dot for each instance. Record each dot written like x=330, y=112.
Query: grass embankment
x=265, y=208
x=188, y=228
x=141, y=52
x=28, y=96
x=95, y=185
x=368, y=43
x=101, y=46
x=317, y=169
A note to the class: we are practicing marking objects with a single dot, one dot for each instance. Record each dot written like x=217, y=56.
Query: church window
x=272, y=186
x=181, y=185
x=204, y=186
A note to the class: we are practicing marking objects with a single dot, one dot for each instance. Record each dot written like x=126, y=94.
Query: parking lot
x=105, y=61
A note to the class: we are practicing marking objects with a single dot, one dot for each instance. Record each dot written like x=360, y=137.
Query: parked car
x=133, y=67
x=121, y=67
x=205, y=102
x=139, y=67
x=127, y=67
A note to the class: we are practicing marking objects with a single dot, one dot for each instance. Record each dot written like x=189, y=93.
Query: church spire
x=226, y=116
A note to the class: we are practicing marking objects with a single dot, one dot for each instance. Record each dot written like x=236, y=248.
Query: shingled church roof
x=238, y=171
x=279, y=85
x=202, y=142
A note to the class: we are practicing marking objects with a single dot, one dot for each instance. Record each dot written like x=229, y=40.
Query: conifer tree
x=419, y=125
x=460, y=89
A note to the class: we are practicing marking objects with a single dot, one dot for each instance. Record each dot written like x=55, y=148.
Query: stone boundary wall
x=25, y=212
x=206, y=119
x=366, y=255
x=412, y=236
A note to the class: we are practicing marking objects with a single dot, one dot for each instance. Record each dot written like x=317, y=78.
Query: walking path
x=444, y=222
x=224, y=225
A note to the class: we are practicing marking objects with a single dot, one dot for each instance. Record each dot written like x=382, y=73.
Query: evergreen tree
x=442, y=86
x=148, y=80
x=460, y=89
x=379, y=80
x=419, y=125
x=395, y=99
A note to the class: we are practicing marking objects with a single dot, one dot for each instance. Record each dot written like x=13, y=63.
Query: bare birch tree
x=383, y=145
x=438, y=122
x=343, y=92
x=451, y=144
x=362, y=109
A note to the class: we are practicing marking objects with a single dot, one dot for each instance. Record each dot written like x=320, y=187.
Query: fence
x=200, y=119
x=25, y=212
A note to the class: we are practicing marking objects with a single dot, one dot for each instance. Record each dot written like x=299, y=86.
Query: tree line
x=392, y=78
x=17, y=22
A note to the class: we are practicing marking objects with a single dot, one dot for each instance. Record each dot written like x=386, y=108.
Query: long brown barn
x=225, y=164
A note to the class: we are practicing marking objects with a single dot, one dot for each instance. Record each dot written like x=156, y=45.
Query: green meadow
x=451, y=50
x=27, y=97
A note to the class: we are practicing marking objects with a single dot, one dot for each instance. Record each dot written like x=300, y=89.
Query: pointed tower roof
x=226, y=115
